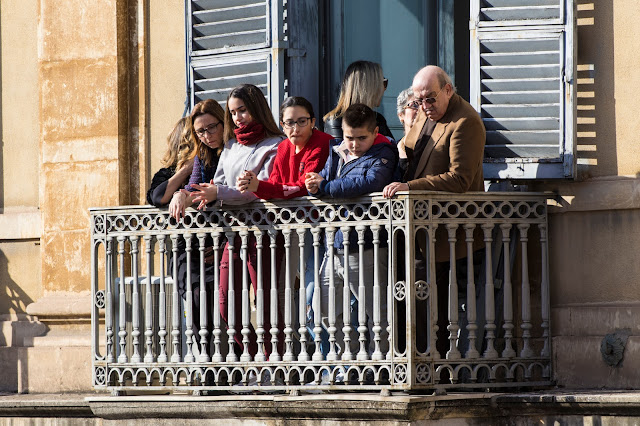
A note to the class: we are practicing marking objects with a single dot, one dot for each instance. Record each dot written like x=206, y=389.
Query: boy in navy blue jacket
x=364, y=162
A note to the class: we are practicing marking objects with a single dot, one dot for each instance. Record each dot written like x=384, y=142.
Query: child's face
x=358, y=139
x=292, y=119
x=239, y=112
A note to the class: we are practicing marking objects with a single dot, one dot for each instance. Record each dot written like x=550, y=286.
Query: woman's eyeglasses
x=301, y=122
x=210, y=129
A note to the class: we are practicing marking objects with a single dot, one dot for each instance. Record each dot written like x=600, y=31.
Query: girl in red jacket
x=304, y=151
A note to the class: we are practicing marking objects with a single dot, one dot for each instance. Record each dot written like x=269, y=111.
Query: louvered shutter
x=522, y=84
x=232, y=42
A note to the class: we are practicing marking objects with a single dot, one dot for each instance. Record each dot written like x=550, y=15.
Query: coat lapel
x=438, y=131
x=412, y=137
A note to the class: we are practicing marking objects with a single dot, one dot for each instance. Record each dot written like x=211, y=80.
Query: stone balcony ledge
x=611, y=407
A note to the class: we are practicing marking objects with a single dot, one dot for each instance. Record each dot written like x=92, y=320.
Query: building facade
x=89, y=91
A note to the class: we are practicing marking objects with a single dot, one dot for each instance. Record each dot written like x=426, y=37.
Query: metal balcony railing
x=373, y=328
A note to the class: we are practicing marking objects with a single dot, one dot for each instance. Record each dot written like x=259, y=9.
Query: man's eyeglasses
x=385, y=82
x=210, y=129
x=301, y=122
x=419, y=101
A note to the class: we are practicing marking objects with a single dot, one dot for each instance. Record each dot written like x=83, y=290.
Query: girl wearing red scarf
x=252, y=138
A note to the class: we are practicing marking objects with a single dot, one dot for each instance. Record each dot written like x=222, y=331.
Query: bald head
x=433, y=88
x=431, y=72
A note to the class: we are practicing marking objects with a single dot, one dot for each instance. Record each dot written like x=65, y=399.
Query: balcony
x=147, y=334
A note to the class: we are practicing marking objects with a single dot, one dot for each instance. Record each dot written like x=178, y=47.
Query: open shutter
x=232, y=42
x=522, y=84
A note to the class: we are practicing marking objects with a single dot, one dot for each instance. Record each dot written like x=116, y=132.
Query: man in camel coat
x=444, y=151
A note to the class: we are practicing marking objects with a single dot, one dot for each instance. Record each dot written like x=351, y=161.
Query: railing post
x=508, y=351
x=490, y=314
x=363, y=354
x=526, y=351
x=377, y=300
x=302, y=296
x=544, y=290
x=135, y=301
x=274, y=355
x=175, y=302
x=288, y=330
x=430, y=257
x=148, y=311
x=346, y=297
x=317, y=315
x=204, y=311
x=246, y=309
x=231, y=297
x=188, y=306
x=108, y=316
x=217, y=355
x=472, y=352
x=330, y=235
x=162, y=302
x=453, y=327
x=260, y=331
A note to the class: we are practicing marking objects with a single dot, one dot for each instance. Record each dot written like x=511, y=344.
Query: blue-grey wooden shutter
x=522, y=84
x=233, y=42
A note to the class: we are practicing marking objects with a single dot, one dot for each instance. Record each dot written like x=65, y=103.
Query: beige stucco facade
x=89, y=91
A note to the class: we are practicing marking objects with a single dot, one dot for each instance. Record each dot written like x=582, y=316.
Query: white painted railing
x=371, y=329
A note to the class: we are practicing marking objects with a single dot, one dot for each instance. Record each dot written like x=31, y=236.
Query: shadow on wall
x=12, y=298
x=13, y=356
x=596, y=130
x=1, y=132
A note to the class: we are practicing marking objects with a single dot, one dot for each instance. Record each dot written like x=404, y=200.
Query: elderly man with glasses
x=444, y=151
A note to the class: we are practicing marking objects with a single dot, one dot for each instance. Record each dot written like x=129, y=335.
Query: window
x=522, y=83
x=231, y=42
x=521, y=62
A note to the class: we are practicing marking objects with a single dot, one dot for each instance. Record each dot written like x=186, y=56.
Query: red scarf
x=250, y=134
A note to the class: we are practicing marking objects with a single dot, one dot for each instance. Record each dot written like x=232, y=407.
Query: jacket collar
x=441, y=126
x=342, y=149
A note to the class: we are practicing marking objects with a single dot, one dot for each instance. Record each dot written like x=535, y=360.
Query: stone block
x=66, y=260
x=70, y=189
x=79, y=99
x=10, y=367
x=578, y=364
x=589, y=256
x=594, y=320
x=82, y=28
x=57, y=369
x=19, y=99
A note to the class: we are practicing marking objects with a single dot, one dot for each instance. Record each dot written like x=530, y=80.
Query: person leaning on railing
x=305, y=151
x=252, y=139
x=177, y=162
x=443, y=152
x=206, y=128
x=364, y=162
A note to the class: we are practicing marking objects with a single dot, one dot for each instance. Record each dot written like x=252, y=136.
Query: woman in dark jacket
x=177, y=162
x=363, y=83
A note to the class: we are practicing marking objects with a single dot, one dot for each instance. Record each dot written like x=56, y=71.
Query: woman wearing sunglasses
x=363, y=83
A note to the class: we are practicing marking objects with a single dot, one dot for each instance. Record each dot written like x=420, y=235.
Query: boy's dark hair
x=294, y=101
x=360, y=115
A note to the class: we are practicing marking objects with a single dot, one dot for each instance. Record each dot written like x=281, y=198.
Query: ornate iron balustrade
x=498, y=316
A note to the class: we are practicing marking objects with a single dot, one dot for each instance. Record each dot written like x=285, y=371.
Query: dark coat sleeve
x=159, y=186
